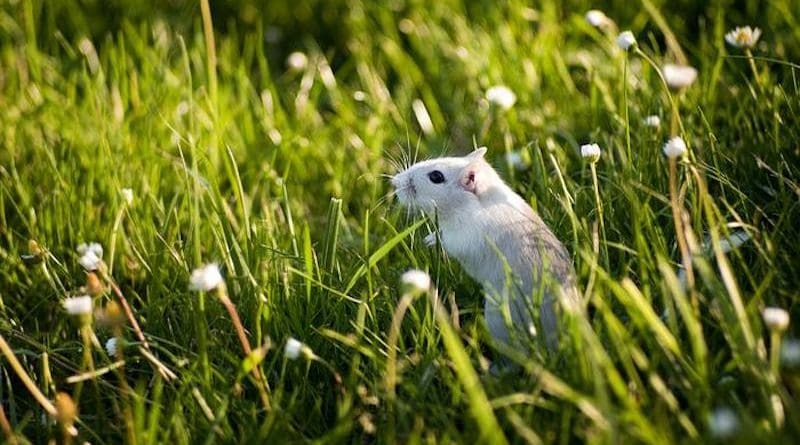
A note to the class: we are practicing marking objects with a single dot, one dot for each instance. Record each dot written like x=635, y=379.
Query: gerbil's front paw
x=430, y=240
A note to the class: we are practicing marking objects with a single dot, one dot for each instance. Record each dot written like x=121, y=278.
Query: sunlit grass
x=275, y=171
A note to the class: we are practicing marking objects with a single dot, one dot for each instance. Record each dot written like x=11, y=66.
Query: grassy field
x=264, y=147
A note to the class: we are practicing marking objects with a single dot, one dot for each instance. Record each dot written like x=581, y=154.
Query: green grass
x=277, y=175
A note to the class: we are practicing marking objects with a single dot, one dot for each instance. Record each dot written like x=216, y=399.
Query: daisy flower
x=743, y=37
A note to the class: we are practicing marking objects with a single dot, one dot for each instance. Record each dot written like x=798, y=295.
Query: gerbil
x=492, y=231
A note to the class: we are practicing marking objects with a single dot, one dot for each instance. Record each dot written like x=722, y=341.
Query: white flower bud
x=295, y=348
x=776, y=319
x=675, y=147
x=416, y=280
x=206, y=278
x=90, y=261
x=652, y=121
x=597, y=18
x=111, y=346
x=590, y=152
x=678, y=77
x=78, y=305
x=625, y=40
x=297, y=61
x=501, y=96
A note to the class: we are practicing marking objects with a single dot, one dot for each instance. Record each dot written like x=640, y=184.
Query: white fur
x=492, y=231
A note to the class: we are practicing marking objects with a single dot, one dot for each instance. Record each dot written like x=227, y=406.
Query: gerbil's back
x=530, y=247
x=507, y=231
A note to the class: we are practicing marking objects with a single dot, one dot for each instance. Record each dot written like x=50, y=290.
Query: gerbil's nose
x=396, y=180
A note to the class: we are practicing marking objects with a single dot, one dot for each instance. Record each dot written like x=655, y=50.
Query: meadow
x=259, y=138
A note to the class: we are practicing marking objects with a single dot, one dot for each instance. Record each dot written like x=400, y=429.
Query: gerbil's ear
x=471, y=176
x=477, y=153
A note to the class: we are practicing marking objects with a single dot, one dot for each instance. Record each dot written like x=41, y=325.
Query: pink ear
x=468, y=180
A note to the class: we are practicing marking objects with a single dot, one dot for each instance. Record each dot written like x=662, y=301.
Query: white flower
x=416, y=280
x=297, y=61
x=359, y=96
x=127, y=195
x=514, y=159
x=790, y=353
x=78, y=305
x=652, y=121
x=501, y=96
x=776, y=319
x=723, y=422
x=591, y=152
x=597, y=18
x=206, y=278
x=111, y=346
x=293, y=348
x=626, y=39
x=90, y=247
x=743, y=36
x=675, y=147
x=90, y=261
x=679, y=76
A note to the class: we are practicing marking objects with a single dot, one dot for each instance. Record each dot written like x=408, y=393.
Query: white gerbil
x=498, y=239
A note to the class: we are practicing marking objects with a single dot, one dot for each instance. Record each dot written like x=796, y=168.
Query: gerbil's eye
x=436, y=177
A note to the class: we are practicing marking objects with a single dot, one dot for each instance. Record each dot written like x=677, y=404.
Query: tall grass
x=276, y=173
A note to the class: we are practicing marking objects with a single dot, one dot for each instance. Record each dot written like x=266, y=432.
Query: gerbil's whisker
x=394, y=163
x=383, y=199
x=403, y=159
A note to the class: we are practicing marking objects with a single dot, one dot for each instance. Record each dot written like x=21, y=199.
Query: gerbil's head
x=443, y=184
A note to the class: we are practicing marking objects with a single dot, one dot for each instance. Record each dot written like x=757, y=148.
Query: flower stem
x=680, y=235
x=752, y=63
x=775, y=353
x=677, y=126
x=599, y=204
x=126, y=307
x=261, y=382
x=627, y=117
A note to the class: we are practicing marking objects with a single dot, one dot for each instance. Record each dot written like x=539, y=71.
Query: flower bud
x=776, y=319
x=93, y=285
